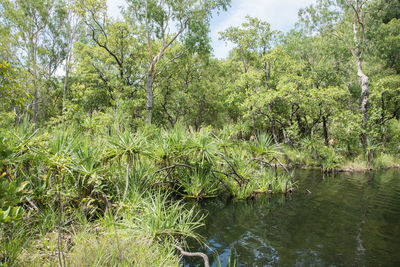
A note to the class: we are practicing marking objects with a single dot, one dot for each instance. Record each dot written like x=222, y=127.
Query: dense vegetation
x=109, y=126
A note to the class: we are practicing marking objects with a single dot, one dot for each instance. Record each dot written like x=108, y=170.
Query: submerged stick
x=195, y=254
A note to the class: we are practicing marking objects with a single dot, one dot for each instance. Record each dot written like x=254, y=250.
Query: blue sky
x=281, y=14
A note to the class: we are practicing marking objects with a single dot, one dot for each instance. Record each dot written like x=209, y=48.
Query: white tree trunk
x=149, y=96
x=364, y=81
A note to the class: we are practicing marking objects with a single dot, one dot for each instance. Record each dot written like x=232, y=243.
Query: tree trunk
x=34, y=81
x=65, y=84
x=35, y=103
x=325, y=130
x=149, y=96
x=364, y=99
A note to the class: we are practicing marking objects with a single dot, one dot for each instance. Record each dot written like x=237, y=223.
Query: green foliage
x=10, y=90
x=73, y=136
x=263, y=146
x=12, y=195
x=383, y=160
x=160, y=218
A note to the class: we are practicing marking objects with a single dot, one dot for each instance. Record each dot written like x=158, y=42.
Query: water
x=350, y=219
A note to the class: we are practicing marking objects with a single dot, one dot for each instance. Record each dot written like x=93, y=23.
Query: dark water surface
x=350, y=219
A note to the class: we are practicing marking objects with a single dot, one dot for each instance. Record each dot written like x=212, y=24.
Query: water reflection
x=349, y=219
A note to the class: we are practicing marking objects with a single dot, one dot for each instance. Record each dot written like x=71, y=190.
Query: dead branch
x=233, y=168
x=195, y=254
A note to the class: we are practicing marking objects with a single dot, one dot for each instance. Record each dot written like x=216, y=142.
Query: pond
x=349, y=219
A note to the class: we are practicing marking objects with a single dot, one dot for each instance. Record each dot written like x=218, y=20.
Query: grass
x=162, y=218
x=384, y=161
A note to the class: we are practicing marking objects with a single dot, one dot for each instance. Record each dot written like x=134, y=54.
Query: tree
x=156, y=18
x=254, y=41
x=72, y=29
x=346, y=20
x=37, y=29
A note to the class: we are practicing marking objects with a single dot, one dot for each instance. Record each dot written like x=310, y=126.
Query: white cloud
x=281, y=14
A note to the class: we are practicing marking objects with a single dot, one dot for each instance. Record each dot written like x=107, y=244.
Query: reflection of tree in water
x=346, y=220
x=380, y=231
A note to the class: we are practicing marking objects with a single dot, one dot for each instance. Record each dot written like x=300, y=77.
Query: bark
x=65, y=83
x=149, y=96
x=364, y=80
x=35, y=103
x=33, y=70
x=267, y=74
x=359, y=41
x=325, y=130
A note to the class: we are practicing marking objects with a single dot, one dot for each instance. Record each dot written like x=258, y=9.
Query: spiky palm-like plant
x=160, y=218
x=89, y=169
x=125, y=145
x=263, y=146
x=203, y=148
x=171, y=146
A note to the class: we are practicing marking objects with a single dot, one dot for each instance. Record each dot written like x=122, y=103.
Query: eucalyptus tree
x=72, y=29
x=384, y=24
x=36, y=27
x=347, y=21
x=323, y=61
x=115, y=37
x=163, y=22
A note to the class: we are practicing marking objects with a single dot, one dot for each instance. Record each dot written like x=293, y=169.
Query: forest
x=113, y=129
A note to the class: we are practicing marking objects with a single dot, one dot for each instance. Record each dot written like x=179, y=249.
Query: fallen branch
x=283, y=166
x=227, y=175
x=262, y=161
x=233, y=168
x=195, y=254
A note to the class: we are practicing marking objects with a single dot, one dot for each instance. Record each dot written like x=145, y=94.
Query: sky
x=281, y=14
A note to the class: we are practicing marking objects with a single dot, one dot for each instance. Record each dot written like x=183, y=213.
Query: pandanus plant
x=126, y=147
x=59, y=154
x=170, y=146
x=89, y=170
x=162, y=219
x=18, y=149
x=198, y=183
x=203, y=148
x=263, y=146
